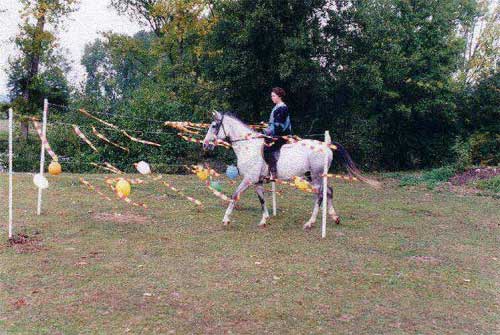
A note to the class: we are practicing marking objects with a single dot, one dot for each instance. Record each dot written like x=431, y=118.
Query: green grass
x=403, y=261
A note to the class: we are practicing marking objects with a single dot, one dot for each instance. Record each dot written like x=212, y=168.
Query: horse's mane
x=235, y=117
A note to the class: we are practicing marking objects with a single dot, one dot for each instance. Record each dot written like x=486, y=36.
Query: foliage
x=38, y=71
x=430, y=178
x=492, y=184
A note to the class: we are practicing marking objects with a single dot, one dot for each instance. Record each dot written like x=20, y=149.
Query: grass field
x=403, y=261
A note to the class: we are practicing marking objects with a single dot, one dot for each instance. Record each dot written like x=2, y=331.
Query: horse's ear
x=216, y=115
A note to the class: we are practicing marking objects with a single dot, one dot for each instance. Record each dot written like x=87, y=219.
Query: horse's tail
x=351, y=166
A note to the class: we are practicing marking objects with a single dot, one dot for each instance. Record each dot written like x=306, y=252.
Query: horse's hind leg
x=317, y=202
x=259, y=188
x=331, y=210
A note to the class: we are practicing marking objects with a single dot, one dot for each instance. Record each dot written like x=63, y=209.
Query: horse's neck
x=237, y=132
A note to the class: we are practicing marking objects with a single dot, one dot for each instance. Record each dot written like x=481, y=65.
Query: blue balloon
x=232, y=172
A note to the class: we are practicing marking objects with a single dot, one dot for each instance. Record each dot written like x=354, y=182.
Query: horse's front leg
x=259, y=188
x=236, y=196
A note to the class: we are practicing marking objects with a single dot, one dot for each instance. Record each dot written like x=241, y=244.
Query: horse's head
x=215, y=132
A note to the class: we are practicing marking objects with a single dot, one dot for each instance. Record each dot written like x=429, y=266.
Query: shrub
x=492, y=184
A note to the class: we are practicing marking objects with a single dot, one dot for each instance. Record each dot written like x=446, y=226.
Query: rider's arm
x=280, y=120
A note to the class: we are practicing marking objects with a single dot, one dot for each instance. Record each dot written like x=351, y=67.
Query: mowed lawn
x=403, y=261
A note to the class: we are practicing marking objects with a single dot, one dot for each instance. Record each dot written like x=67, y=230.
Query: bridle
x=218, y=125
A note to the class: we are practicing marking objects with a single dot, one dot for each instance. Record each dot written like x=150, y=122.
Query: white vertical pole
x=274, y=197
x=42, y=153
x=10, y=173
x=325, y=185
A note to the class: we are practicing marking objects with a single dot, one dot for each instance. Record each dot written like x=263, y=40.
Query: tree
x=392, y=62
x=482, y=49
x=256, y=45
x=37, y=50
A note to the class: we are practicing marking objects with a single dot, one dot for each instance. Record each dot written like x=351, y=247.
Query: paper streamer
x=93, y=188
x=83, y=137
x=132, y=138
x=176, y=190
x=107, y=167
x=198, y=141
x=191, y=199
x=338, y=176
x=102, y=137
x=195, y=169
x=45, y=143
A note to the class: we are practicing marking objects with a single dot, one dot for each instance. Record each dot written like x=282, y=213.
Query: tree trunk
x=34, y=66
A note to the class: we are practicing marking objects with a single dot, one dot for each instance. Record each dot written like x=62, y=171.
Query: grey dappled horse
x=295, y=160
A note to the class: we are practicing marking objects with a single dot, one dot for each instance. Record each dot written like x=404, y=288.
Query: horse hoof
x=336, y=219
x=308, y=226
x=226, y=223
x=262, y=225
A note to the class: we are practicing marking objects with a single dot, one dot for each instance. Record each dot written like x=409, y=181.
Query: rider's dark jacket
x=279, y=121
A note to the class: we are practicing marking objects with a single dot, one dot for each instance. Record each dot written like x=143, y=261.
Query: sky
x=81, y=27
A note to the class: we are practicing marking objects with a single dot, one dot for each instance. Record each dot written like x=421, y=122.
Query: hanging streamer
x=338, y=176
x=195, y=169
x=83, y=137
x=172, y=188
x=132, y=138
x=107, y=167
x=102, y=137
x=45, y=143
x=198, y=141
x=95, y=189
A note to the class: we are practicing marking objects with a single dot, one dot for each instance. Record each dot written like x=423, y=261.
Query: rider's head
x=277, y=95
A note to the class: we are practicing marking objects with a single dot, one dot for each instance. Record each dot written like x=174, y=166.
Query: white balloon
x=143, y=167
x=40, y=181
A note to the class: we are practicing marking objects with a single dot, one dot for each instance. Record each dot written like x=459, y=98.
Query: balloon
x=301, y=184
x=143, y=167
x=232, y=172
x=40, y=181
x=123, y=188
x=55, y=168
x=202, y=174
x=216, y=186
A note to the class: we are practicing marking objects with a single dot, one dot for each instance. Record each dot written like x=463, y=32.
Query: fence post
x=42, y=153
x=10, y=172
x=325, y=185
x=274, y=197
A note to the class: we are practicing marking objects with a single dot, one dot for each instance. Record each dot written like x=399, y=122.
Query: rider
x=279, y=125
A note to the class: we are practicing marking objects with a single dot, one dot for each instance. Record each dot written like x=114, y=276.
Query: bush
x=485, y=148
x=430, y=178
x=492, y=184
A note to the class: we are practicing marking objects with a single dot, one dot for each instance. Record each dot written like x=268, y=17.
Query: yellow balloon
x=301, y=184
x=55, y=168
x=123, y=188
x=202, y=174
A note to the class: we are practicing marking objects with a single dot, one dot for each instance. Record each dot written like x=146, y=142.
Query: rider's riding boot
x=272, y=168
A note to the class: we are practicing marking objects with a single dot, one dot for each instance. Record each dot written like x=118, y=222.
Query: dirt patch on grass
x=470, y=175
x=121, y=218
x=24, y=244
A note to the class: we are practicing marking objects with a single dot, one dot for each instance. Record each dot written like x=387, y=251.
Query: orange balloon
x=55, y=168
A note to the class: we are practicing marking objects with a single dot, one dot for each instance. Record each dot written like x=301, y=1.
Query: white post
x=325, y=185
x=274, y=197
x=42, y=153
x=10, y=173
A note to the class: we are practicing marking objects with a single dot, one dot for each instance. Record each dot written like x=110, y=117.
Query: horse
x=295, y=160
